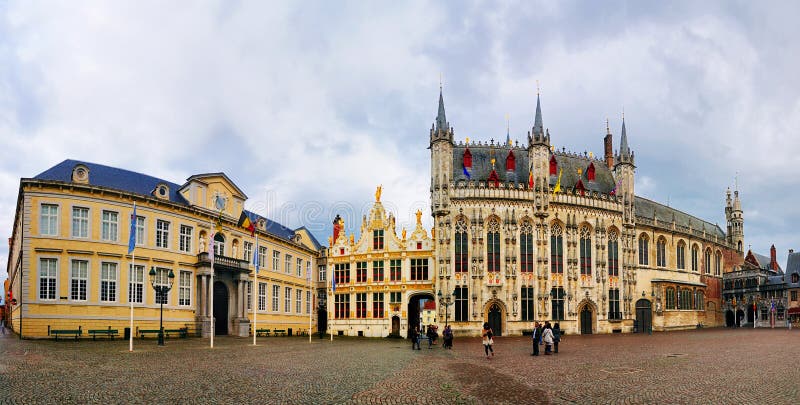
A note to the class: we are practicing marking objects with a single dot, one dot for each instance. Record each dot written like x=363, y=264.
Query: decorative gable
x=214, y=191
x=467, y=160
x=511, y=162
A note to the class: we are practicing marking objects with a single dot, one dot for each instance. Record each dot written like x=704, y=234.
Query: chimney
x=773, y=262
x=609, y=156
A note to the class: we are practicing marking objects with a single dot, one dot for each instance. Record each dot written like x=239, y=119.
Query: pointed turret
x=441, y=120
x=625, y=153
x=538, y=128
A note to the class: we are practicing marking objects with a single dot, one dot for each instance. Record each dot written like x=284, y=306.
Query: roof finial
x=440, y=81
x=508, y=131
x=537, y=87
x=736, y=181
x=608, y=129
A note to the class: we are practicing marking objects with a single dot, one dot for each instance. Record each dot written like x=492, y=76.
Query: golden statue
x=419, y=217
x=378, y=194
x=330, y=241
x=404, y=233
x=352, y=239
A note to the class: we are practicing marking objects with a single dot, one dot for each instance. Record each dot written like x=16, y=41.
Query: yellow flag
x=557, y=188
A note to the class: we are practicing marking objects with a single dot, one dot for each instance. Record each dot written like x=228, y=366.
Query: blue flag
x=466, y=173
x=132, y=239
x=255, y=256
x=333, y=282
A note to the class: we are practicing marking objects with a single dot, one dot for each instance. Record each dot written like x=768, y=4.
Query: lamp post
x=161, y=293
x=445, y=301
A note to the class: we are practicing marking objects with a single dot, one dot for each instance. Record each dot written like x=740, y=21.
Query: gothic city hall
x=529, y=232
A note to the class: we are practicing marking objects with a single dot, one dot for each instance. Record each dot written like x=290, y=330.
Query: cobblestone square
x=704, y=366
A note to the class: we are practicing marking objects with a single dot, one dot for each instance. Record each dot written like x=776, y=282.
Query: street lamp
x=445, y=301
x=161, y=294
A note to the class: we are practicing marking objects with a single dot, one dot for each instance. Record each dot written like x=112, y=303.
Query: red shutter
x=467, y=159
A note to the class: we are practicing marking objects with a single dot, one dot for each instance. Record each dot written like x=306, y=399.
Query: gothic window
x=557, y=300
x=556, y=250
x=680, y=253
x=527, y=303
x=526, y=247
x=739, y=246
x=661, y=250
x=586, y=251
x=718, y=264
x=613, y=253
x=643, y=253
x=493, y=246
x=699, y=300
x=670, y=298
x=461, y=304
x=461, y=248
x=553, y=165
x=613, y=304
x=695, y=253
x=707, y=269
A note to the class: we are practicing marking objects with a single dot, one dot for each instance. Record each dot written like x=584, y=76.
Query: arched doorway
x=739, y=317
x=322, y=321
x=644, y=315
x=751, y=315
x=395, y=326
x=729, y=319
x=495, y=319
x=220, y=308
x=586, y=320
x=415, y=303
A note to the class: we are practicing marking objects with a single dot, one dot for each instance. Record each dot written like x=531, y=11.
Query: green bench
x=281, y=331
x=58, y=332
x=264, y=332
x=182, y=332
x=111, y=333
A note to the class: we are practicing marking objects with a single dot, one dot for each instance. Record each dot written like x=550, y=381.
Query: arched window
x=718, y=264
x=707, y=269
x=695, y=253
x=493, y=246
x=680, y=256
x=586, y=251
x=556, y=250
x=699, y=300
x=670, y=298
x=526, y=247
x=643, y=254
x=219, y=244
x=661, y=252
x=461, y=247
x=553, y=165
x=739, y=246
x=613, y=253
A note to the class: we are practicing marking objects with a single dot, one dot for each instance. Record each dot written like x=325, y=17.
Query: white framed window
x=262, y=296
x=80, y=222
x=110, y=226
x=48, y=278
x=276, y=294
x=308, y=302
x=287, y=295
x=48, y=220
x=288, y=268
x=185, y=288
x=162, y=279
x=322, y=272
x=140, y=228
x=185, y=240
x=162, y=233
x=248, y=252
x=262, y=256
x=249, y=295
x=78, y=280
x=276, y=260
x=298, y=305
x=136, y=284
x=108, y=282
x=299, y=267
x=308, y=270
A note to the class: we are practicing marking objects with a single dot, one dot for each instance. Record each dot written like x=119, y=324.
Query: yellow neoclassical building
x=381, y=278
x=69, y=265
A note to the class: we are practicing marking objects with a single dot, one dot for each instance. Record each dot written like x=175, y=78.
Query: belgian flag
x=245, y=222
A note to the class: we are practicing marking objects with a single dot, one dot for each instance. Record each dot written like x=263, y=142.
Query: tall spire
x=441, y=120
x=623, y=148
x=537, y=121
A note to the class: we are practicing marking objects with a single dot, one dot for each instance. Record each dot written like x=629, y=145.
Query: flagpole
x=131, y=271
x=211, y=298
x=308, y=276
x=255, y=285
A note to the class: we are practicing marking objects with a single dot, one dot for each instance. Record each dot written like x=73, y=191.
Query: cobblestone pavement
x=710, y=366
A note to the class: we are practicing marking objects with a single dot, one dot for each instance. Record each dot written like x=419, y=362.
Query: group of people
x=544, y=334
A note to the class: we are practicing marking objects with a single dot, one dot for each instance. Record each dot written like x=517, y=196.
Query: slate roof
x=792, y=266
x=570, y=163
x=647, y=208
x=138, y=183
x=314, y=240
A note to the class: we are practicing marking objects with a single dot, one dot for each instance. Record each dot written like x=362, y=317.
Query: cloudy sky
x=309, y=105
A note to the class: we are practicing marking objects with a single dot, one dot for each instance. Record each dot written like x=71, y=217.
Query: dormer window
x=80, y=174
x=511, y=163
x=795, y=278
x=590, y=172
x=580, y=187
x=161, y=191
x=553, y=165
x=467, y=160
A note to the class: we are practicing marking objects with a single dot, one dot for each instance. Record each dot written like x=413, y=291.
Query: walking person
x=415, y=338
x=487, y=335
x=447, y=335
x=536, y=336
x=547, y=336
x=556, y=337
